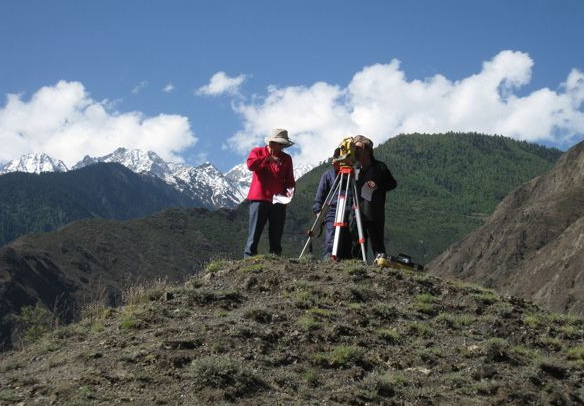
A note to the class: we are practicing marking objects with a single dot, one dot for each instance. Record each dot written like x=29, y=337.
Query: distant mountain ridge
x=134, y=159
x=50, y=206
x=204, y=183
x=47, y=201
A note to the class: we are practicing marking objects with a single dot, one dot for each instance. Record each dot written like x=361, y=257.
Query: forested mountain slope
x=448, y=184
x=44, y=202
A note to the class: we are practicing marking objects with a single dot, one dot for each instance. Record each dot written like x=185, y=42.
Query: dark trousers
x=373, y=233
x=344, y=247
x=261, y=212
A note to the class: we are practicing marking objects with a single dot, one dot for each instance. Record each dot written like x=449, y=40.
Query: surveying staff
x=374, y=180
x=326, y=183
x=272, y=175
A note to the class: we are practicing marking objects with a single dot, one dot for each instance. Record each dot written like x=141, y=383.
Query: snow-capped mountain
x=240, y=178
x=302, y=170
x=204, y=183
x=34, y=163
x=207, y=183
x=136, y=160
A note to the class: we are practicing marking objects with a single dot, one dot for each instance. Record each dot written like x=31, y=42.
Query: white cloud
x=168, y=88
x=312, y=115
x=381, y=103
x=66, y=123
x=139, y=87
x=200, y=158
x=220, y=84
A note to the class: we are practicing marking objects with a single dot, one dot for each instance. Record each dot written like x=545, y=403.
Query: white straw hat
x=280, y=136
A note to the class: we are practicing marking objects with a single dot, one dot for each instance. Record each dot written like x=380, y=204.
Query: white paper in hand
x=366, y=192
x=284, y=199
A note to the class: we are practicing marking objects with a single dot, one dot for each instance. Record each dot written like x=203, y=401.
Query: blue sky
x=207, y=80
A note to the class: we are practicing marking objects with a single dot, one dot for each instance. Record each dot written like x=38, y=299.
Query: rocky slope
x=64, y=270
x=533, y=244
x=281, y=332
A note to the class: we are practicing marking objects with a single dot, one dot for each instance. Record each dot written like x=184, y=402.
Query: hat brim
x=283, y=141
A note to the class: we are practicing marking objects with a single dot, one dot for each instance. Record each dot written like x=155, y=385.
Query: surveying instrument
x=344, y=182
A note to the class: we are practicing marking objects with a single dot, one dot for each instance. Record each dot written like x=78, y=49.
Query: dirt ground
x=271, y=331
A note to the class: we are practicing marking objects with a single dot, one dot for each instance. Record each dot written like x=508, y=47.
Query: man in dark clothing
x=374, y=180
x=325, y=185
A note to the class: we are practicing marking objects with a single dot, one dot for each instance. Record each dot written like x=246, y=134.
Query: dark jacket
x=378, y=172
x=324, y=186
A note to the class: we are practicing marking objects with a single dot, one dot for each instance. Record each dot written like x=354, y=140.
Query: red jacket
x=270, y=178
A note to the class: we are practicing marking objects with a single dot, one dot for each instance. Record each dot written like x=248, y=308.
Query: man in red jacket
x=272, y=175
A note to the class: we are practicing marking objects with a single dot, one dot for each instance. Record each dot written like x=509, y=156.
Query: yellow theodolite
x=346, y=154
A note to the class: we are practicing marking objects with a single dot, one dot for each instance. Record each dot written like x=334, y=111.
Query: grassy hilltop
x=268, y=331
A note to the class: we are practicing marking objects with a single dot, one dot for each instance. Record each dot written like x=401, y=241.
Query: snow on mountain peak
x=136, y=160
x=204, y=183
x=34, y=163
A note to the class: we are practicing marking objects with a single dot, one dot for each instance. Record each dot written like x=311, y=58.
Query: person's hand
x=273, y=158
x=372, y=184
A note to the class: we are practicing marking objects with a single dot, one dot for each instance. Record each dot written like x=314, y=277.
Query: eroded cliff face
x=533, y=244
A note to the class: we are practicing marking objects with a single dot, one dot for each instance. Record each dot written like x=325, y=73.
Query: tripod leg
x=340, y=215
x=359, y=223
x=322, y=213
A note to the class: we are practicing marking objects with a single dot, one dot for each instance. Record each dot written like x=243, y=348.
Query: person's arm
x=289, y=181
x=256, y=160
x=384, y=179
x=321, y=193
